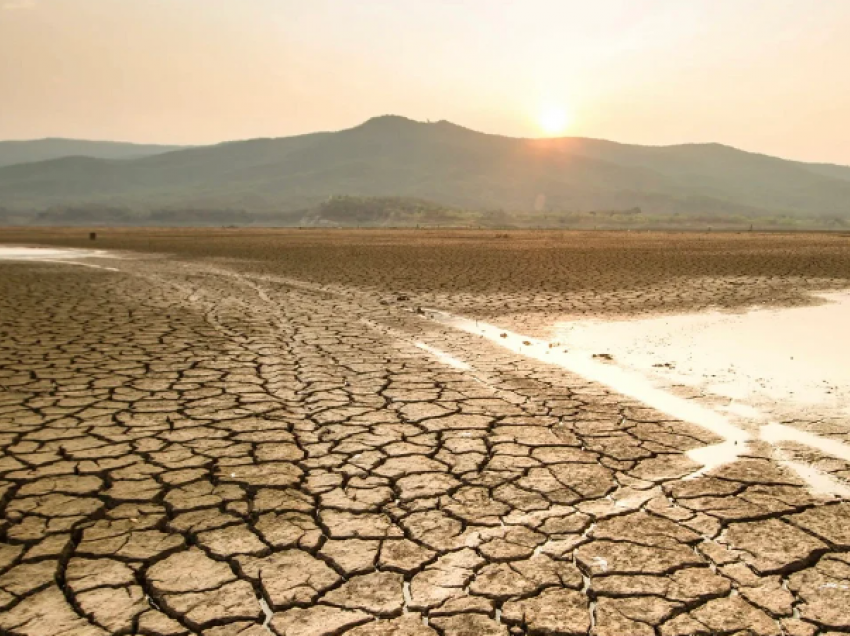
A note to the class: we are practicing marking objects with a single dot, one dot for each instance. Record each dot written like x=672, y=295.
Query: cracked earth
x=194, y=447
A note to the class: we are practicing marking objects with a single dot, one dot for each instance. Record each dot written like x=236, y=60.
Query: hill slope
x=440, y=162
x=12, y=152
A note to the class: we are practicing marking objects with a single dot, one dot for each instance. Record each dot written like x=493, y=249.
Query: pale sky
x=769, y=76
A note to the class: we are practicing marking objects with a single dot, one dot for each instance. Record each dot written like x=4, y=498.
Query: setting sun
x=553, y=120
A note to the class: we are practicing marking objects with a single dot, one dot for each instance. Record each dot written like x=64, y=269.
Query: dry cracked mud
x=191, y=446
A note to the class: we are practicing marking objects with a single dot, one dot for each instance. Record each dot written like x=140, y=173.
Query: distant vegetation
x=346, y=211
x=382, y=212
x=392, y=171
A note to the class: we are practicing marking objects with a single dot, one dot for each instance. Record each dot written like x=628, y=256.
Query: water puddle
x=66, y=256
x=775, y=363
x=443, y=357
x=819, y=482
x=623, y=381
x=763, y=366
x=776, y=433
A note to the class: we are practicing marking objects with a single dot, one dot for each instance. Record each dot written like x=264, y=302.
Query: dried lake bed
x=320, y=433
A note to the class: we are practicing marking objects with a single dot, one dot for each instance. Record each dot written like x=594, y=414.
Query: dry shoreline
x=238, y=432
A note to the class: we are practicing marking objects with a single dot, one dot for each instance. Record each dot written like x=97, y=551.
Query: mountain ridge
x=439, y=161
x=13, y=152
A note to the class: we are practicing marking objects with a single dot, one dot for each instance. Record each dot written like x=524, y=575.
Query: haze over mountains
x=12, y=152
x=438, y=162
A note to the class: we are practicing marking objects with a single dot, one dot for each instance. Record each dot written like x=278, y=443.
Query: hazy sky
x=765, y=75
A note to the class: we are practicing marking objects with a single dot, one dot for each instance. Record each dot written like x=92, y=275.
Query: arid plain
x=377, y=432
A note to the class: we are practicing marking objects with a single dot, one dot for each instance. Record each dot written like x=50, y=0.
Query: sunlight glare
x=553, y=120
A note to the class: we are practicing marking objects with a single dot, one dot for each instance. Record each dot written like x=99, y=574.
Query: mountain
x=831, y=170
x=12, y=152
x=440, y=162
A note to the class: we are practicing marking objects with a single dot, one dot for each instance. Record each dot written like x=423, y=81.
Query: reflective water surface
x=743, y=376
x=70, y=256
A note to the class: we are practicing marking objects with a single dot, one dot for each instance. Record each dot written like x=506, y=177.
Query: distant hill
x=12, y=152
x=442, y=163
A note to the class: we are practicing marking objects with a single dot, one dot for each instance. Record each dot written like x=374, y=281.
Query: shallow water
x=624, y=381
x=68, y=256
x=17, y=253
x=766, y=363
x=443, y=357
x=754, y=369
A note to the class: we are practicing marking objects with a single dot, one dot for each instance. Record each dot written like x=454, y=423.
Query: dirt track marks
x=184, y=447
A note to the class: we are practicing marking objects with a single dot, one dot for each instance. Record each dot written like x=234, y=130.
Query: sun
x=553, y=120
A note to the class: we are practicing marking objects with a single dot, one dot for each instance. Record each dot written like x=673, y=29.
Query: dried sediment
x=190, y=449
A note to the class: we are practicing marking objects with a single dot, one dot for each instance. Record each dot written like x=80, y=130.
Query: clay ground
x=241, y=432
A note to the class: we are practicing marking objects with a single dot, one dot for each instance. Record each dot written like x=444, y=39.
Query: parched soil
x=253, y=433
x=496, y=273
